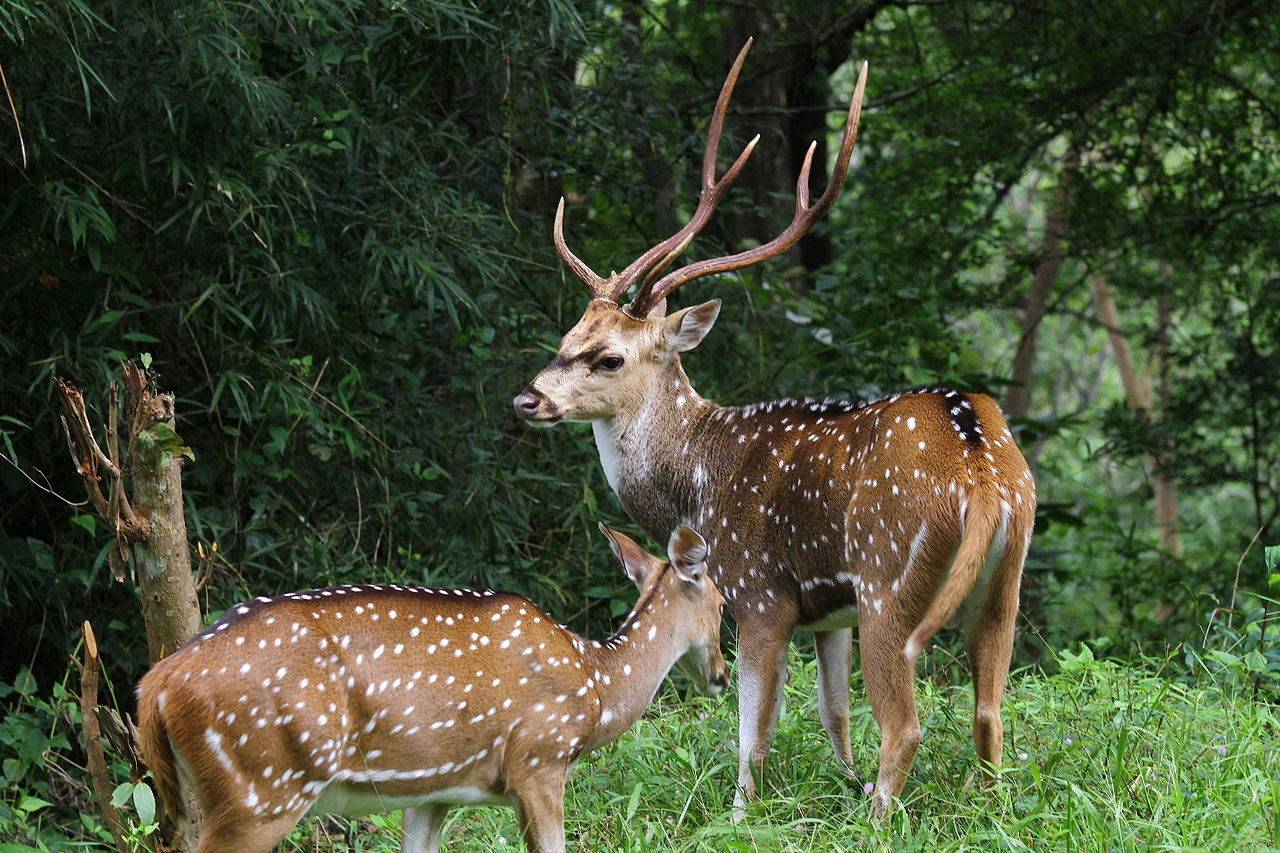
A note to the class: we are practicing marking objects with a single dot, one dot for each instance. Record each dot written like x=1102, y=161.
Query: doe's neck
x=628, y=668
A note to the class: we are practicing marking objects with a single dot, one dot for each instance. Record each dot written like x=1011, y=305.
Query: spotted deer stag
x=363, y=699
x=889, y=514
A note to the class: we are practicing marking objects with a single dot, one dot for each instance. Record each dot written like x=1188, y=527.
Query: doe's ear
x=688, y=553
x=686, y=328
x=635, y=560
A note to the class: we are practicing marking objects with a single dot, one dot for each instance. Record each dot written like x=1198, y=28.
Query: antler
x=653, y=292
x=651, y=264
x=660, y=256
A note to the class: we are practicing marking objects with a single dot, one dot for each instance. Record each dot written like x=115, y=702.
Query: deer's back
x=380, y=692
x=828, y=496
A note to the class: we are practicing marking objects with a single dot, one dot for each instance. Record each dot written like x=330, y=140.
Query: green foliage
x=34, y=730
x=140, y=800
x=304, y=218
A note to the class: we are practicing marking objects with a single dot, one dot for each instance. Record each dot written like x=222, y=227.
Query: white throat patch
x=610, y=453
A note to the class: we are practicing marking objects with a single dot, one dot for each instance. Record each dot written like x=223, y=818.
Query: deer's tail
x=157, y=750
x=982, y=521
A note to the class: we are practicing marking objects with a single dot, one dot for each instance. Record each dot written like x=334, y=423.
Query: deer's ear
x=686, y=328
x=635, y=560
x=688, y=553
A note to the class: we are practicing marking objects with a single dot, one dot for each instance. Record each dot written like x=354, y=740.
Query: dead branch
x=89, y=458
x=93, y=736
x=46, y=486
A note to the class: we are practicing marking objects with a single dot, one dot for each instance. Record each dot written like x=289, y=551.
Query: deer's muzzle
x=533, y=408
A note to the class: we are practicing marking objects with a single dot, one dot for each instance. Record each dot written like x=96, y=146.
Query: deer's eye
x=610, y=362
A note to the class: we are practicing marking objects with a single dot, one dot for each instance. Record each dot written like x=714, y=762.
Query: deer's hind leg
x=890, y=684
x=241, y=833
x=991, y=649
x=540, y=804
x=835, y=665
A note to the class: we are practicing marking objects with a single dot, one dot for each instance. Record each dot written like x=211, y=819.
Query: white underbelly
x=845, y=617
x=352, y=800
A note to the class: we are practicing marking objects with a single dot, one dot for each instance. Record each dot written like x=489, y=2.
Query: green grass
x=1100, y=756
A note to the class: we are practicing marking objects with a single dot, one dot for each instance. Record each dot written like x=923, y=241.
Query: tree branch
x=93, y=736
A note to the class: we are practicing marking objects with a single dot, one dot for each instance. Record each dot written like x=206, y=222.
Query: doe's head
x=685, y=600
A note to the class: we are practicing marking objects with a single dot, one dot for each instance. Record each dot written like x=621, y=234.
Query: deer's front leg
x=422, y=828
x=835, y=664
x=762, y=670
x=540, y=804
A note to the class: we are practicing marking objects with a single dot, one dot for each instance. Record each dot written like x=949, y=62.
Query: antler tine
x=641, y=304
x=803, y=220
x=594, y=283
x=711, y=193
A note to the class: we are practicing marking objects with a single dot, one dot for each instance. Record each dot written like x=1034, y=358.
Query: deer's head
x=681, y=582
x=609, y=359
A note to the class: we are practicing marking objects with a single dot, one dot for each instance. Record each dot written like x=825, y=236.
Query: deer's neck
x=660, y=455
x=627, y=668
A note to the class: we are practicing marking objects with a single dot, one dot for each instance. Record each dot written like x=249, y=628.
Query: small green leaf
x=121, y=794
x=88, y=522
x=32, y=804
x=164, y=439
x=145, y=358
x=145, y=802
x=25, y=683
x=1271, y=554
x=634, y=802
x=107, y=319
x=1224, y=658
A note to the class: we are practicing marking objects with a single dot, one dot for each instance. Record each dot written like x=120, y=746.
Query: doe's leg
x=423, y=827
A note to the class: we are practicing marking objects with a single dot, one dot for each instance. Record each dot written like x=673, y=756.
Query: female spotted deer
x=891, y=513
x=371, y=698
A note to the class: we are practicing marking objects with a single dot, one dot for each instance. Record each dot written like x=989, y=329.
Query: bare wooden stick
x=93, y=736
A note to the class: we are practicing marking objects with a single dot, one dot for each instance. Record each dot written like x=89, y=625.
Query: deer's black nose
x=527, y=402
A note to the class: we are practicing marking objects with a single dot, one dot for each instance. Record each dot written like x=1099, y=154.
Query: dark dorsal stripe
x=963, y=417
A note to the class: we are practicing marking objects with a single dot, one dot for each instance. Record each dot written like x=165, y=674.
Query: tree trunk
x=163, y=560
x=152, y=520
x=1137, y=391
x=1017, y=403
x=1166, y=488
